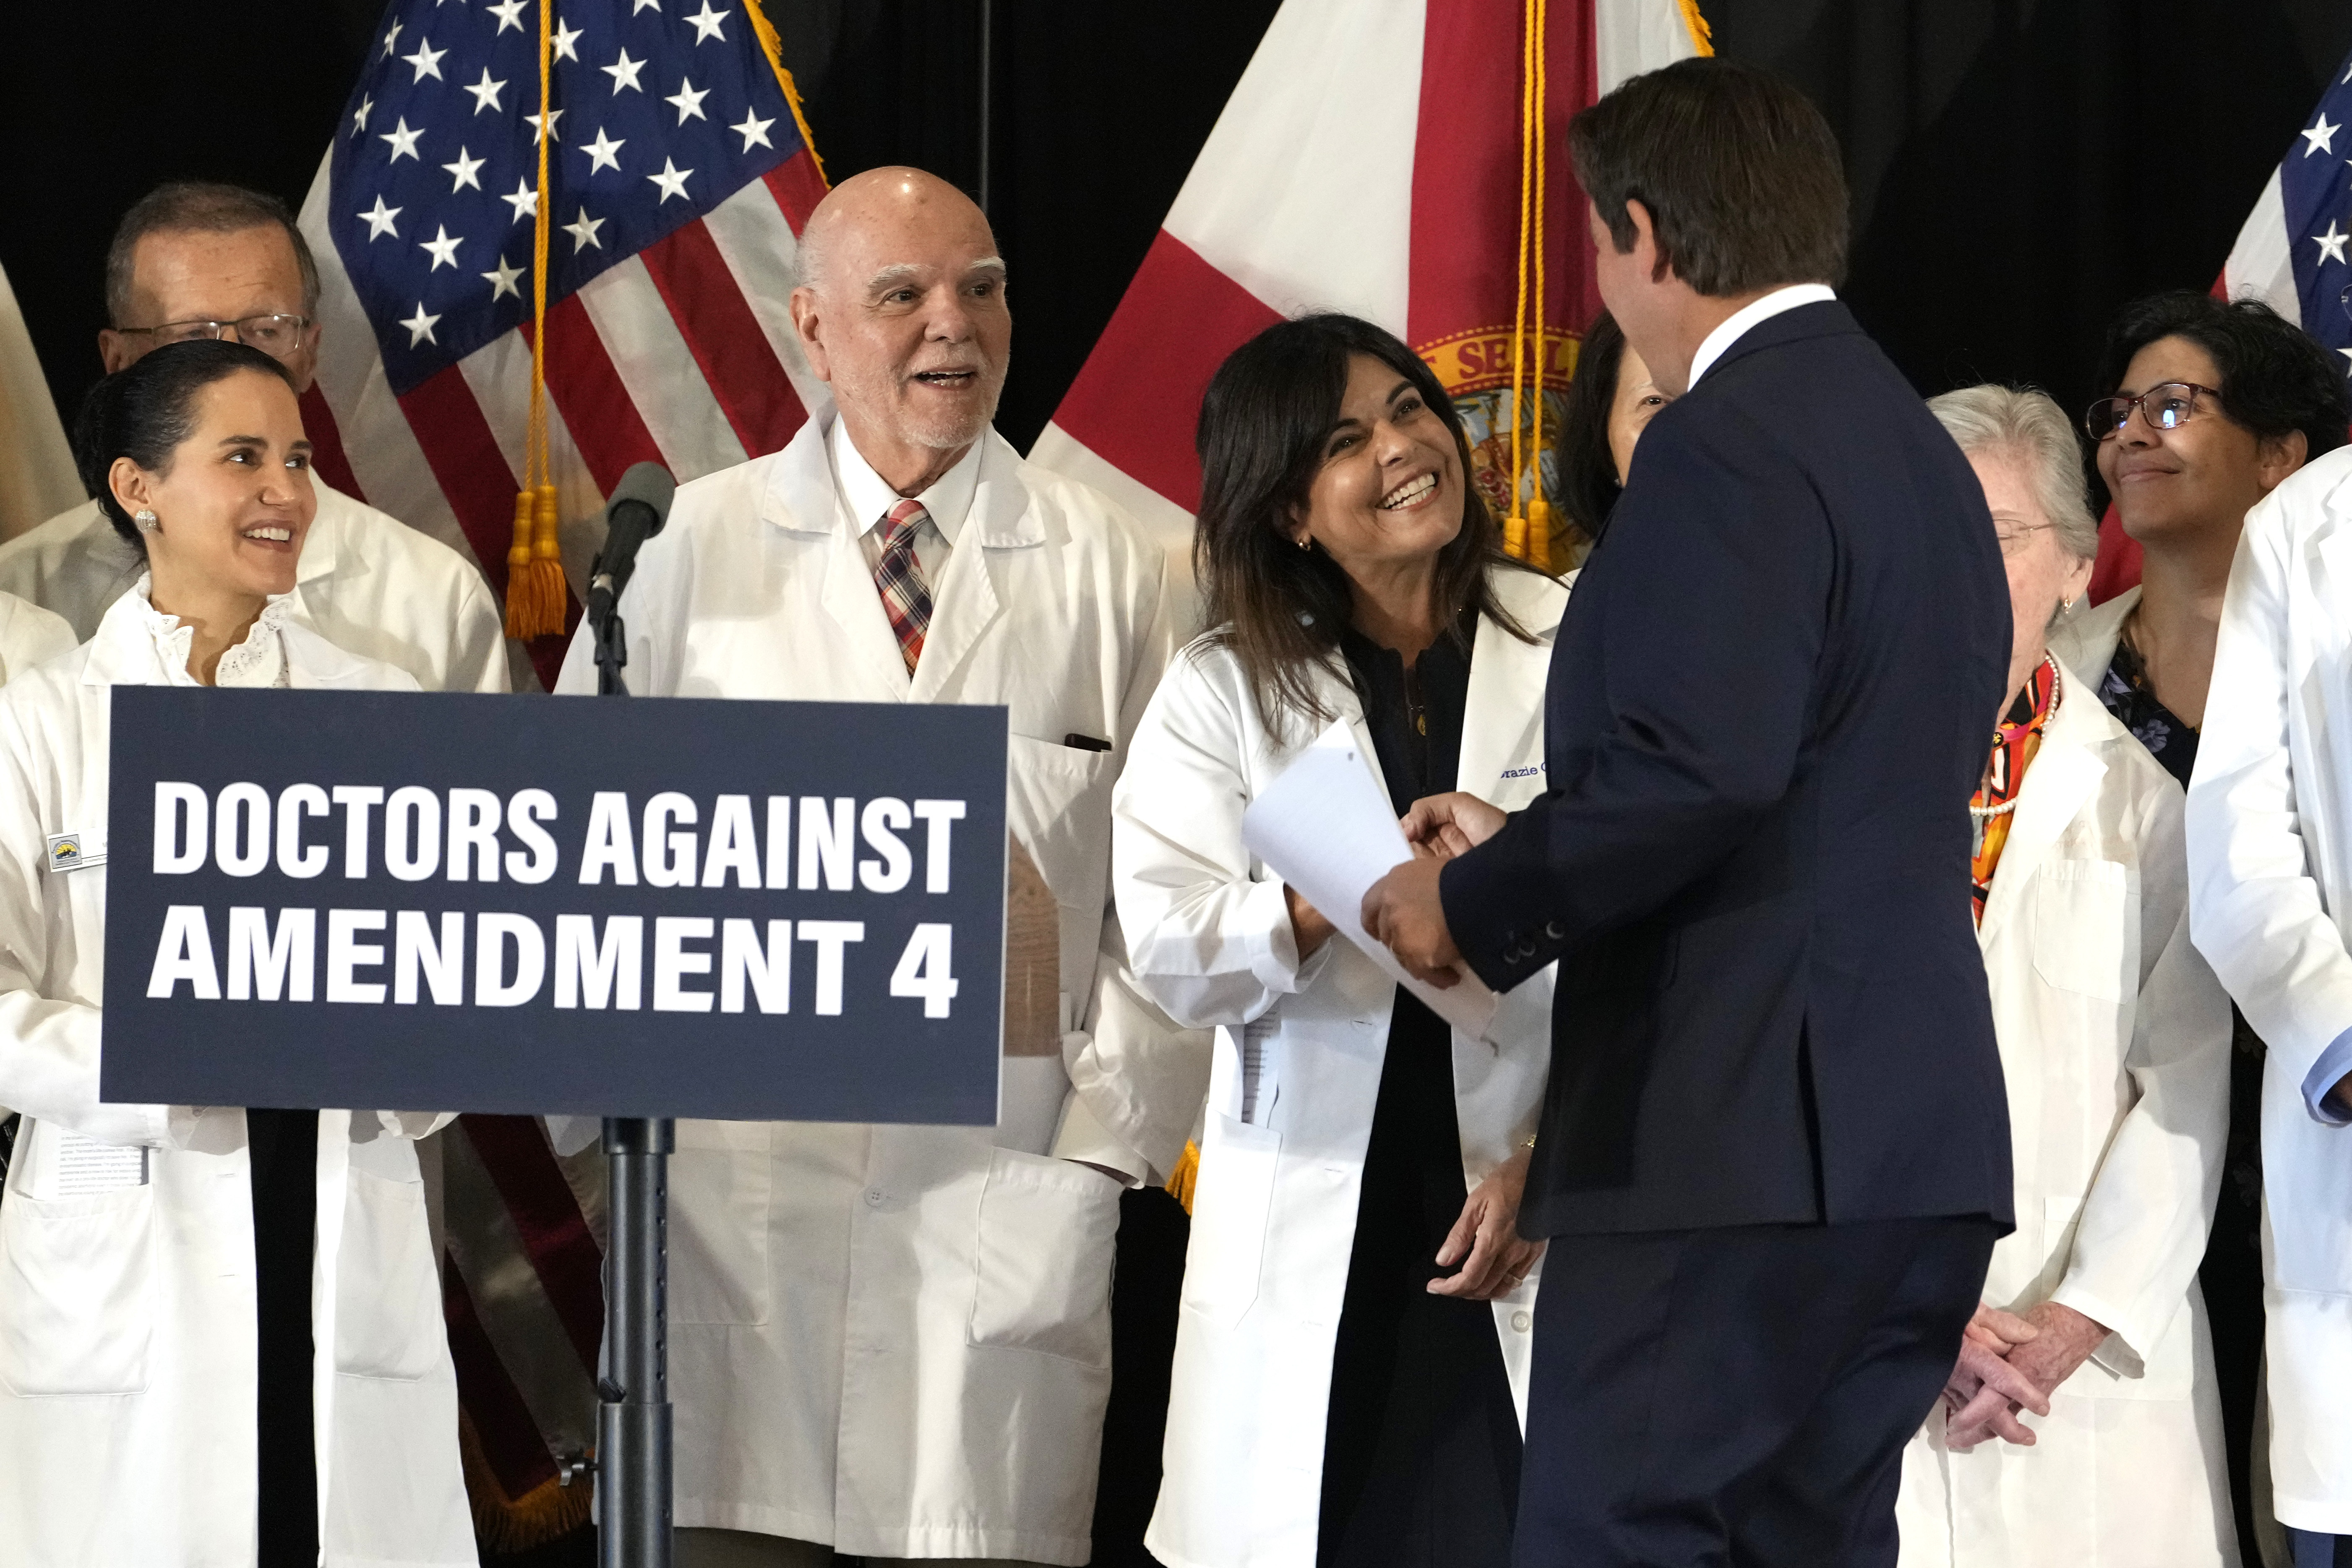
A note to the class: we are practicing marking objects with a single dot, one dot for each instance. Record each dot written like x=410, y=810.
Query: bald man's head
x=901, y=308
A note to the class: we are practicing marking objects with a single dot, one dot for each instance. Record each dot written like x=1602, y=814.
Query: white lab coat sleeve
x=49, y=1049
x=1137, y=1077
x=477, y=641
x=2143, y=1226
x=2254, y=911
x=1208, y=935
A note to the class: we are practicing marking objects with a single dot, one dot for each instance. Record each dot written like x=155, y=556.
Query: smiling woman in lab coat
x=1353, y=1339
x=220, y=1329
x=2115, y=1046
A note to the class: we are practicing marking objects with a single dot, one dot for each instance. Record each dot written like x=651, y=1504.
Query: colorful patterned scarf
x=2014, y=744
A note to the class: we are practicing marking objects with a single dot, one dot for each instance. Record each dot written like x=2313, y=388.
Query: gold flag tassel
x=1187, y=1177
x=1528, y=532
x=535, y=588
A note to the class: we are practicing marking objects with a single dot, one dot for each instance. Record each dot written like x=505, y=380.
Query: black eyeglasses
x=271, y=334
x=2166, y=407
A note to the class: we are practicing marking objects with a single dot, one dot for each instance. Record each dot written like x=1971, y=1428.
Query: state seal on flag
x=1475, y=369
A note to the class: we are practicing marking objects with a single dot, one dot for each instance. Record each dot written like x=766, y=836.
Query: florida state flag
x=1404, y=162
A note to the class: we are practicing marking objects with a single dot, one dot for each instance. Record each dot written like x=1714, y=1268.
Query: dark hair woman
x=1609, y=403
x=2212, y=403
x=172, y=1389
x=1356, y=1299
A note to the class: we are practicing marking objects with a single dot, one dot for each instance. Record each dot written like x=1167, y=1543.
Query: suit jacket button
x=1553, y=929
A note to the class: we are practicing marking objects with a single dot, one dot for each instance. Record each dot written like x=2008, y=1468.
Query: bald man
x=895, y=1341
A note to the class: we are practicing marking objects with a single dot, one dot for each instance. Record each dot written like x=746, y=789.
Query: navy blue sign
x=758, y=910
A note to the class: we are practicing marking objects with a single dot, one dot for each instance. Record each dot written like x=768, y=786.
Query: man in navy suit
x=1775, y=1144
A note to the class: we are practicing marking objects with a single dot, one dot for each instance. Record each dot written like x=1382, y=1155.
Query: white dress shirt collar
x=1754, y=313
x=867, y=499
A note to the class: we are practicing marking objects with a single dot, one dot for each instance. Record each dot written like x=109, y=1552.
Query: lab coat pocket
x=387, y=1293
x=1042, y=1277
x=2081, y=927
x=718, y=1186
x=1232, y=1201
x=77, y=1292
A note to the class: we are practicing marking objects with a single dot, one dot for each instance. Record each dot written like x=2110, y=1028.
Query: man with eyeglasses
x=200, y=260
x=2213, y=404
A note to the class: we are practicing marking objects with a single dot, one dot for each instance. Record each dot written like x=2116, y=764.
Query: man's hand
x=1309, y=929
x=1444, y=825
x=1402, y=912
x=1498, y=1259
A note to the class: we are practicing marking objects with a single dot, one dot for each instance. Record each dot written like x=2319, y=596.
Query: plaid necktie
x=906, y=597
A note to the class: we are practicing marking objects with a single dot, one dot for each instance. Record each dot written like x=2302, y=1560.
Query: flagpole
x=987, y=101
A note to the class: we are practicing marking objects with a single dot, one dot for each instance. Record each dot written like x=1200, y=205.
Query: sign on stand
x=748, y=911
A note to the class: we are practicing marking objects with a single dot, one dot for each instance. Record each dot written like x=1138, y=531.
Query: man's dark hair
x=2274, y=378
x=143, y=414
x=199, y=206
x=1740, y=171
x=1264, y=421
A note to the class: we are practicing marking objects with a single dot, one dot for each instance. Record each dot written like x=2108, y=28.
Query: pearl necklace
x=2057, y=694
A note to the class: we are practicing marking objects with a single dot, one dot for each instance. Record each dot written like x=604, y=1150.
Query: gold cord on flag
x=1527, y=532
x=1702, y=37
x=773, y=47
x=535, y=586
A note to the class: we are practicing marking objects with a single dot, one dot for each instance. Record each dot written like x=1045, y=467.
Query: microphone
x=634, y=512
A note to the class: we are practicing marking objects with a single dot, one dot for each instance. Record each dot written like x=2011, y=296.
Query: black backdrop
x=2021, y=168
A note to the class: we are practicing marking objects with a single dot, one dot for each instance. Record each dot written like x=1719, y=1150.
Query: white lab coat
x=896, y=1339
x=2115, y=1046
x=127, y=1316
x=29, y=635
x=367, y=583
x=2270, y=869
x=1274, y=1211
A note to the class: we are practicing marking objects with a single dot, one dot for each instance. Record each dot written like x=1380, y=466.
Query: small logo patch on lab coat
x=66, y=853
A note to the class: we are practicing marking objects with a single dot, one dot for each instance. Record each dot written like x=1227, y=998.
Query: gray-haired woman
x=2114, y=1042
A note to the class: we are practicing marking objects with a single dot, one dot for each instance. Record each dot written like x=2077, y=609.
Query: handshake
x=1403, y=911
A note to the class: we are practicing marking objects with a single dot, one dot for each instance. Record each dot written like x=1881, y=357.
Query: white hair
x=2026, y=427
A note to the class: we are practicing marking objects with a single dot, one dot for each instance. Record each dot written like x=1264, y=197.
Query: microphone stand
x=633, y=1420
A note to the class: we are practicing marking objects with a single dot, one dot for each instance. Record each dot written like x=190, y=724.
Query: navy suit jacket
x=1771, y=699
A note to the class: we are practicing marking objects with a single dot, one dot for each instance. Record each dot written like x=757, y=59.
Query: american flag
x=678, y=178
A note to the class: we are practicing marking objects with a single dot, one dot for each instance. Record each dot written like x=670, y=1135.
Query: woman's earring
x=1305, y=541
x=145, y=520
x=2066, y=604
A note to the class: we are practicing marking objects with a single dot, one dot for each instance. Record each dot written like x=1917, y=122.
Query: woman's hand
x=1444, y=825
x=1986, y=1390
x=1488, y=1231
x=1309, y=929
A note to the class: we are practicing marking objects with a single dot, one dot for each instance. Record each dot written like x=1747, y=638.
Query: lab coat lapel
x=966, y=601
x=801, y=499
x=1502, y=719
x=2064, y=774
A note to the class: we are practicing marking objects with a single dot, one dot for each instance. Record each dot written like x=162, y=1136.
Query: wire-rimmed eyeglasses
x=2167, y=406
x=270, y=334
